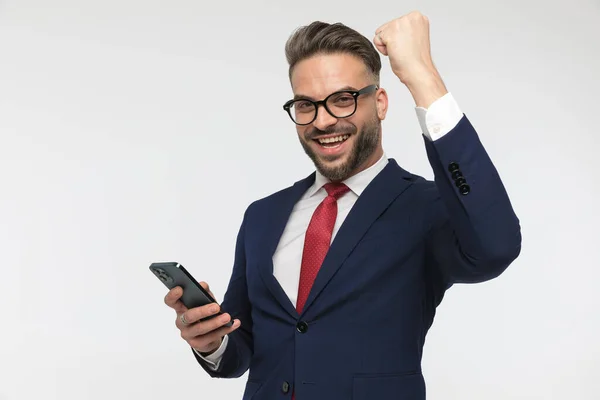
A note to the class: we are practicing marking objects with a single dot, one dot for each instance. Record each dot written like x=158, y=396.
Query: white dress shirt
x=440, y=118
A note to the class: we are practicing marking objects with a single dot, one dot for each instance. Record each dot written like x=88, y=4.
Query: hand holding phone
x=199, y=318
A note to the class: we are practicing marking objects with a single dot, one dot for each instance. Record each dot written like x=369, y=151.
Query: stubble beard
x=365, y=144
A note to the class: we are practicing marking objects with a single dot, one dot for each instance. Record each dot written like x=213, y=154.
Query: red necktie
x=317, y=241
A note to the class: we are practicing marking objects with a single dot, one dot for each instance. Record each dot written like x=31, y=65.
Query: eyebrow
x=302, y=96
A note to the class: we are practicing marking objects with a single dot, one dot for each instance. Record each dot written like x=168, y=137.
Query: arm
x=475, y=233
x=213, y=360
x=232, y=359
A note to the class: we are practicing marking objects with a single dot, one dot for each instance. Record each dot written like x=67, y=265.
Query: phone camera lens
x=162, y=275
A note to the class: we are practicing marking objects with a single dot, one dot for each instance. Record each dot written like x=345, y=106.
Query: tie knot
x=335, y=189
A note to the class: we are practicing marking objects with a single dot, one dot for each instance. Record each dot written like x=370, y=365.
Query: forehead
x=323, y=74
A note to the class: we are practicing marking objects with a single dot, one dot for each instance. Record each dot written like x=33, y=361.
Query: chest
x=385, y=253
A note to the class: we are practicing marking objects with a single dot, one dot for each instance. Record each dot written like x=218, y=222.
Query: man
x=337, y=278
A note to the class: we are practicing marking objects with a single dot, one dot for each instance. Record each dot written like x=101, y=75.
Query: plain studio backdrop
x=138, y=131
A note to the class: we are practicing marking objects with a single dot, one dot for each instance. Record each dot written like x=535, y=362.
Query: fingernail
x=214, y=308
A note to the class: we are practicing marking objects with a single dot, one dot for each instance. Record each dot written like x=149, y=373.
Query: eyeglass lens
x=340, y=105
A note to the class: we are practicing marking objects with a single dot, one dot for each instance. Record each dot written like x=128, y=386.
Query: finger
x=172, y=300
x=201, y=341
x=181, y=321
x=382, y=27
x=380, y=46
x=380, y=42
x=197, y=313
x=173, y=295
x=205, y=327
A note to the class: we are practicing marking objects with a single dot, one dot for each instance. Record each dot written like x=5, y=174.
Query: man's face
x=340, y=147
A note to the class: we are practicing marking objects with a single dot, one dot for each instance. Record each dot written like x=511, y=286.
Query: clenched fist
x=405, y=41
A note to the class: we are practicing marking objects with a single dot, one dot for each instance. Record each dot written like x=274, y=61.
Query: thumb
x=380, y=45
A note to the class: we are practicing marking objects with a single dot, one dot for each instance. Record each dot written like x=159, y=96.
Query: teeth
x=334, y=139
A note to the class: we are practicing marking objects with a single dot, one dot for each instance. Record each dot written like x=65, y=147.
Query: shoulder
x=421, y=199
x=425, y=188
x=269, y=203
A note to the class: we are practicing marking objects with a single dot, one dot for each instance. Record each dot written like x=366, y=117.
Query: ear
x=381, y=103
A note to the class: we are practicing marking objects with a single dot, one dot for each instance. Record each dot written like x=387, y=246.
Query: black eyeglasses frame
x=355, y=93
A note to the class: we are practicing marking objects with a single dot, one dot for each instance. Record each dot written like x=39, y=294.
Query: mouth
x=332, y=141
x=331, y=145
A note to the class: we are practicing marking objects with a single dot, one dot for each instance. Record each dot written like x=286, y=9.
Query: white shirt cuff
x=440, y=118
x=214, y=359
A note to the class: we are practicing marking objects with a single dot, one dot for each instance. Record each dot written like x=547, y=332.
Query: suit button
x=464, y=189
x=460, y=181
x=453, y=167
x=302, y=326
x=456, y=174
x=285, y=387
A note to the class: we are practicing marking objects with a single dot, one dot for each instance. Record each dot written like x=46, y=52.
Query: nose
x=324, y=119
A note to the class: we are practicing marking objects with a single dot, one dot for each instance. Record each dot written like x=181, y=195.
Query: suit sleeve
x=475, y=234
x=235, y=360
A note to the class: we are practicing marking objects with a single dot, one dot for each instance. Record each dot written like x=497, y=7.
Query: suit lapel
x=378, y=195
x=276, y=225
x=373, y=201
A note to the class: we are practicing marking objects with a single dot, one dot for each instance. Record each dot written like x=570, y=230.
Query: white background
x=137, y=131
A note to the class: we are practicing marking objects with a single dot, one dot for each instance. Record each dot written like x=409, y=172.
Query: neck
x=369, y=162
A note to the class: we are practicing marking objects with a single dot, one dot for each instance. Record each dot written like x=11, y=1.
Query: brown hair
x=323, y=38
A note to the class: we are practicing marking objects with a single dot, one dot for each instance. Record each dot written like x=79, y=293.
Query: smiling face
x=340, y=147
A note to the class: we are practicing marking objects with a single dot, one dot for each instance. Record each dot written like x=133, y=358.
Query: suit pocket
x=409, y=386
x=251, y=388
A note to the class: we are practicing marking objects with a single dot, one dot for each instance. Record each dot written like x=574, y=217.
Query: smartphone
x=172, y=274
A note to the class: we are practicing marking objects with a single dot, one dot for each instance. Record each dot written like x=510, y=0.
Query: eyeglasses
x=341, y=104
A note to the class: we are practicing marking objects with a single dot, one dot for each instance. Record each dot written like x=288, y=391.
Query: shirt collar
x=357, y=183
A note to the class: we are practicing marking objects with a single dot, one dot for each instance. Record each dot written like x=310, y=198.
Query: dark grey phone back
x=173, y=274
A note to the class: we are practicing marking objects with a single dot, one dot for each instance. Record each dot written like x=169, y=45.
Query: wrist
x=211, y=349
x=425, y=85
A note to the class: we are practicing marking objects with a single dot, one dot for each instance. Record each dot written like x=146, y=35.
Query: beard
x=365, y=144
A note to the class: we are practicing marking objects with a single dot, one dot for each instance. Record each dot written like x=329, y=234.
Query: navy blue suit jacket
x=360, y=335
